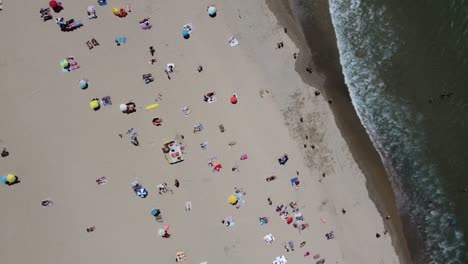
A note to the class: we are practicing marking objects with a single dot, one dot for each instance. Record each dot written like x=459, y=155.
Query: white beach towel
x=233, y=41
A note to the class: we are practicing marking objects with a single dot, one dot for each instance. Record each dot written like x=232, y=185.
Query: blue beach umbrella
x=155, y=212
x=212, y=11
x=142, y=193
x=186, y=33
x=4, y=179
x=83, y=84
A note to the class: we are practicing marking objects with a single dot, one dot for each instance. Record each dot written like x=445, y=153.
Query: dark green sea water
x=406, y=67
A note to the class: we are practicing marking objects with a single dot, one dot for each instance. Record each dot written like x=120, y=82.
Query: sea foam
x=367, y=43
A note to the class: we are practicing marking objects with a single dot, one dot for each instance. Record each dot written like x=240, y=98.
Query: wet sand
x=319, y=51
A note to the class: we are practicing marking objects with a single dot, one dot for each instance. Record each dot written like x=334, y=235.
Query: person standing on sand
x=152, y=51
x=176, y=183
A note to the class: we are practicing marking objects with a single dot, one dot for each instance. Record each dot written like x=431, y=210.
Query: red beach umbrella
x=234, y=99
x=53, y=4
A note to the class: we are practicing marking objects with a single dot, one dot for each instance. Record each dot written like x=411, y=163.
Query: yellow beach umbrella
x=232, y=199
x=94, y=104
x=115, y=10
x=11, y=178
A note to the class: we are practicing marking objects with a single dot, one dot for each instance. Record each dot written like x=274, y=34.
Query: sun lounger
x=89, y=44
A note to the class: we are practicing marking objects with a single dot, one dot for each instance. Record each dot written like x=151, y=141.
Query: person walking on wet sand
x=152, y=51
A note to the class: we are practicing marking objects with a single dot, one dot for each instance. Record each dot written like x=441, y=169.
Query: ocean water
x=406, y=67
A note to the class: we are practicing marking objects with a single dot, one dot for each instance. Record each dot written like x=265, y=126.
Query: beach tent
x=232, y=199
x=212, y=11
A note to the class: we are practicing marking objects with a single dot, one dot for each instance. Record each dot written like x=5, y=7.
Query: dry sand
x=59, y=146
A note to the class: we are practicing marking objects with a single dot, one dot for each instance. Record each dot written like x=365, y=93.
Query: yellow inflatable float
x=153, y=106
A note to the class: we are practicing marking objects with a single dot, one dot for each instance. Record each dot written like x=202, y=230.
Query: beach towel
x=269, y=238
x=204, y=145
x=188, y=27
x=185, y=110
x=106, y=101
x=121, y=40
x=233, y=42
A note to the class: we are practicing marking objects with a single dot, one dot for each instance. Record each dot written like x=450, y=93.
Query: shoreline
x=327, y=77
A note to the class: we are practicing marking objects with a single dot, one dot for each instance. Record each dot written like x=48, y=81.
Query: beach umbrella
x=142, y=193
x=91, y=9
x=10, y=178
x=123, y=107
x=186, y=33
x=232, y=199
x=212, y=11
x=64, y=63
x=115, y=11
x=94, y=104
x=162, y=232
x=4, y=179
x=234, y=99
x=155, y=212
x=53, y=4
x=83, y=84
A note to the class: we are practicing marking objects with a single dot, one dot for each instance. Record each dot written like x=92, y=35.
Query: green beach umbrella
x=64, y=63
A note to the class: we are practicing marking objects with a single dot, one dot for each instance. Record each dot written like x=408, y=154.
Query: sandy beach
x=59, y=146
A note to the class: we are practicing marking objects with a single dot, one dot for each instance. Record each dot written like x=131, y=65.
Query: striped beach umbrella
x=142, y=193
